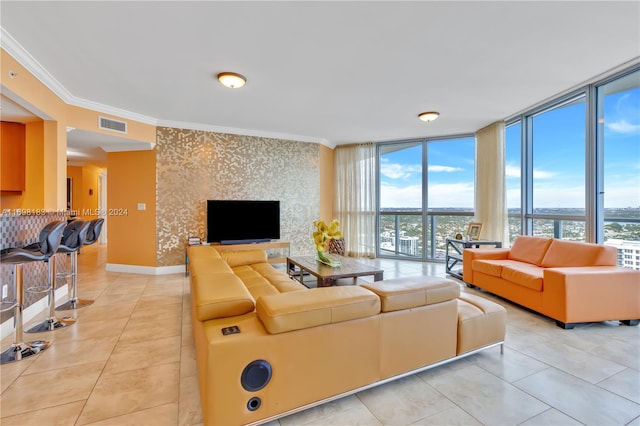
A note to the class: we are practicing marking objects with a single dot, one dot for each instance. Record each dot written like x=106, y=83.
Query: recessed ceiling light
x=231, y=79
x=428, y=116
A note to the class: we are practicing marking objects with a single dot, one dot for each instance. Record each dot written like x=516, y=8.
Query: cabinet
x=12, y=157
x=454, y=253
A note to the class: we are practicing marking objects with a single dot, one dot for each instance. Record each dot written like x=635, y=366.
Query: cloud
x=542, y=174
x=446, y=169
x=399, y=171
x=623, y=126
x=512, y=171
x=452, y=195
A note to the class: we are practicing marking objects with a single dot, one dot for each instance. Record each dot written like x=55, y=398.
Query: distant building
x=628, y=252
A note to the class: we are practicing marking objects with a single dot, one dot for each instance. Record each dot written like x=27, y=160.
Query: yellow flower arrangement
x=321, y=237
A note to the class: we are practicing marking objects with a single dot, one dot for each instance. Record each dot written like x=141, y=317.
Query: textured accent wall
x=193, y=166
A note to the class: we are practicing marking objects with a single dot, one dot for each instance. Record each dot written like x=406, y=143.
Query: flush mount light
x=231, y=79
x=428, y=116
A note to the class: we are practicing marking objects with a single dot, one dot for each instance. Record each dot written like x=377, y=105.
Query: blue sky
x=558, y=162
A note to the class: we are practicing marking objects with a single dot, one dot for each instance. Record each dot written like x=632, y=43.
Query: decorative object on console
x=323, y=234
x=473, y=231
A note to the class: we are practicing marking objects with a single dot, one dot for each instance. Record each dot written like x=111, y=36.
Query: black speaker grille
x=256, y=375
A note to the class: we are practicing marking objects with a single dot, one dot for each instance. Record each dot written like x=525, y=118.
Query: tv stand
x=238, y=242
x=277, y=246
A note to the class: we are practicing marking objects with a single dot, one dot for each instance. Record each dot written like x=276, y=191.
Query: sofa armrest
x=296, y=310
x=471, y=254
x=591, y=293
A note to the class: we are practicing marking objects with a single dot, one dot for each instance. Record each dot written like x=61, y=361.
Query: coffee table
x=327, y=275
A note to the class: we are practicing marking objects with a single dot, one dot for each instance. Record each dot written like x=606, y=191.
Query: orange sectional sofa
x=267, y=346
x=571, y=282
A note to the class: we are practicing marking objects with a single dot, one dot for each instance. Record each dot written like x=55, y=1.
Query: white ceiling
x=330, y=72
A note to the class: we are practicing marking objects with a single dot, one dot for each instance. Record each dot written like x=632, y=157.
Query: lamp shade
x=231, y=79
x=428, y=116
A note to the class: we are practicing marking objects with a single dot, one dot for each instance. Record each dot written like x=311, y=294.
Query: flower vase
x=327, y=259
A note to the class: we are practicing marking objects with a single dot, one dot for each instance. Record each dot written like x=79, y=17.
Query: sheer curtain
x=491, y=204
x=355, y=197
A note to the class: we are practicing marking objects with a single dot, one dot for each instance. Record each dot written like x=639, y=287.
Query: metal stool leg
x=19, y=349
x=52, y=323
x=74, y=302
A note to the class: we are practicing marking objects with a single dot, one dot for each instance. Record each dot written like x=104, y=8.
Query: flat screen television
x=242, y=221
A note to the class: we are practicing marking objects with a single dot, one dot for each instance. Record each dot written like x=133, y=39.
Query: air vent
x=113, y=125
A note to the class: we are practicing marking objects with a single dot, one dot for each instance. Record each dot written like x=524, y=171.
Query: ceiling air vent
x=113, y=125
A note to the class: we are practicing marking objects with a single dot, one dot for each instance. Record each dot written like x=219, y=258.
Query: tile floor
x=129, y=360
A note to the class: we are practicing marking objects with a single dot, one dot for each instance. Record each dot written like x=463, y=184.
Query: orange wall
x=132, y=233
x=85, y=119
x=85, y=178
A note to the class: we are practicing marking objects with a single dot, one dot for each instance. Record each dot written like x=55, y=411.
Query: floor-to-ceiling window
x=400, y=215
x=580, y=166
x=426, y=192
x=618, y=146
x=558, y=146
x=513, y=176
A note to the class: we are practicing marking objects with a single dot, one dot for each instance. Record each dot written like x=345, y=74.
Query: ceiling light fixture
x=231, y=79
x=428, y=116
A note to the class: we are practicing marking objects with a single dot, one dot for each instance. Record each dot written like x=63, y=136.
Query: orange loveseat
x=571, y=282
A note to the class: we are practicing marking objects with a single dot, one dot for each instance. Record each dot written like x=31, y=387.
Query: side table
x=455, y=249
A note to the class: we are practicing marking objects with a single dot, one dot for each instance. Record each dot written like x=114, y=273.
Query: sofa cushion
x=239, y=258
x=404, y=293
x=220, y=295
x=297, y=310
x=529, y=249
x=492, y=267
x=208, y=265
x=277, y=279
x=572, y=254
x=524, y=274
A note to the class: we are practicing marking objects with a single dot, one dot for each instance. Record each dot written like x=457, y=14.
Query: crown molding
x=243, y=132
x=20, y=54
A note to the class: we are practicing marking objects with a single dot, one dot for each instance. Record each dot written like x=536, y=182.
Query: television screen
x=242, y=221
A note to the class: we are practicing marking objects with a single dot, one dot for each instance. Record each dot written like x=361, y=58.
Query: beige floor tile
x=86, y=327
x=574, y=361
x=11, y=371
x=132, y=355
x=65, y=414
x=483, y=395
x=352, y=416
x=626, y=384
x=188, y=365
x=451, y=417
x=107, y=312
x=404, y=401
x=551, y=417
x=163, y=415
x=74, y=352
x=321, y=412
x=147, y=328
x=189, y=411
x=50, y=388
x=134, y=390
x=579, y=399
x=157, y=312
x=510, y=366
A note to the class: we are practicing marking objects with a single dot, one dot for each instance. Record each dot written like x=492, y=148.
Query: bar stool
x=95, y=226
x=49, y=241
x=51, y=323
x=73, y=238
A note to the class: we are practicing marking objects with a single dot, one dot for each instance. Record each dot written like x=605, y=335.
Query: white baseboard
x=32, y=311
x=146, y=270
